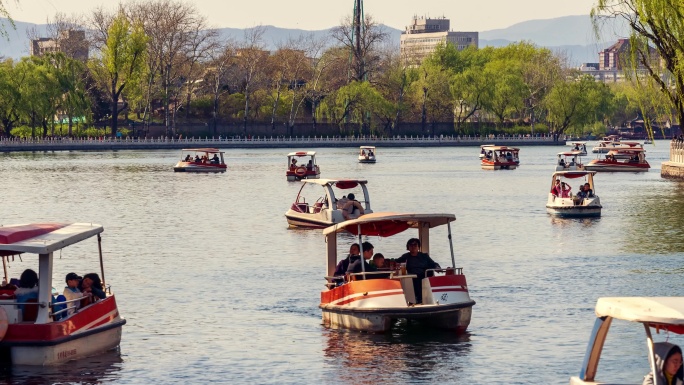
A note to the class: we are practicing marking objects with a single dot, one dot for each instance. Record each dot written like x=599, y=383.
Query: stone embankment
x=103, y=144
x=674, y=168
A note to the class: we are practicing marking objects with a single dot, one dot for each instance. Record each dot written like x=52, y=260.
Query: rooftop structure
x=72, y=42
x=423, y=35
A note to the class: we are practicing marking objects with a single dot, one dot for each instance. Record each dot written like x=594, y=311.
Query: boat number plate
x=444, y=297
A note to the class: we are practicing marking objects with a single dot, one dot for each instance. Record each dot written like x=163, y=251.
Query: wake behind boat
x=373, y=300
x=39, y=329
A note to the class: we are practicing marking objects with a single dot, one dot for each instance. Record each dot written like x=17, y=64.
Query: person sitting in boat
x=197, y=159
x=588, y=191
x=417, y=263
x=634, y=159
x=561, y=162
x=379, y=261
x=370, y=153
x=509, y=156
x=71, y=291
x=355, y=262
x=363, y=152
x=343, y=265
x=215, y=159
x=668, y=364
x=91, y=285
x=309, y=166
x=188, y=158
x=489, y=154
x=351, y=206
x=293, y=164
x=28, y=287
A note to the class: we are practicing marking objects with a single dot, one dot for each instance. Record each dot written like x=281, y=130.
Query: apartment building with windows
x=423, y=35
x=72, y=42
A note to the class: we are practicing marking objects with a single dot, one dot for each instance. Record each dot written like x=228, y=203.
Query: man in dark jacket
x=417, y=263
x=343, y=265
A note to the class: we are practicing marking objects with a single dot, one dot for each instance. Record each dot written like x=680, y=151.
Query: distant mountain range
x=571, y=35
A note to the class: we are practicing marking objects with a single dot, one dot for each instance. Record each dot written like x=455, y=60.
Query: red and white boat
x=624, y=159
x=372, y=305
x=500, y=158
x=302, y=165
x=40, y=334
x=318, y=212
x=569, y=161
x=201, y=160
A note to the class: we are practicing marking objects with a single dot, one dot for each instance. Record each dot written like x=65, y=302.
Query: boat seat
x=317, y=207
x=30, y=312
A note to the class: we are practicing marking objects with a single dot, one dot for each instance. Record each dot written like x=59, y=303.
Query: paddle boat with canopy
x=302, y=165
x=561, y=201
x=659, y=314
x=500, y=158
x=373, y=301
x=579, y=146
x=367, y=154
x=625, y=159
x=569, y=161
x=47, y=329
x=201, y=160
x=317, y=212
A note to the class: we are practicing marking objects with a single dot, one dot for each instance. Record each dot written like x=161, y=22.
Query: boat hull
x=568, y=208
x=487, y=165
x=370, y=159
x=301, y=217
x=199, y=167
x=94, y=329
x=617, y=167
x=292, y=177
x=374, y=305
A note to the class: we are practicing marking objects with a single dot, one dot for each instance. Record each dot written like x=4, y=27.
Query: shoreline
x=163, y=143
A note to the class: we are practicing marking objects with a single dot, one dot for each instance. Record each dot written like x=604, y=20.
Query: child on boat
x=72, y=292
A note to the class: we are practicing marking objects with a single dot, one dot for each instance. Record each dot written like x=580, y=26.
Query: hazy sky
x=480, y=15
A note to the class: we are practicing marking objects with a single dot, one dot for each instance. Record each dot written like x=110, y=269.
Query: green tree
x=40, y=92
x=70, y=75
x=10, y=98
x=122, y=61
x=575, y=103
x=658, y=24
x=508, y=88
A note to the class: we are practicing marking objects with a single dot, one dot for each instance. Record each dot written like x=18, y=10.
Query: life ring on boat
x=4, y=323
x=300, y=171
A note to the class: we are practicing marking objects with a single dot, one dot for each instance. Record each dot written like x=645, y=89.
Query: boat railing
x=445, y=271
x=677, y=151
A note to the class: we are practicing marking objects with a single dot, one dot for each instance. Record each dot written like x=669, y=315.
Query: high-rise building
x=72, y=42
x=424, y=34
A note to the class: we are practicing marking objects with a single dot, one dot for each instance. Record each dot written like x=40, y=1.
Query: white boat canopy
x=652, y=310
x=572, y=174
x=44, y=238
x=367, y=147
x=386, y=224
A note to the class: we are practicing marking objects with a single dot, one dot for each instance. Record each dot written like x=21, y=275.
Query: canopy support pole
x=451, y=246
x=4, y=268
x=363, y=264
x=99, y=249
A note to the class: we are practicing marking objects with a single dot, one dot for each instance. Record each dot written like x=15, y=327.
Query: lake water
x=217, y=289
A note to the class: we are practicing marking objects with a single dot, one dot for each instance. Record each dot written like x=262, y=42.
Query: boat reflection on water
x=573, y=222
x=406, y=354
x=101, y=368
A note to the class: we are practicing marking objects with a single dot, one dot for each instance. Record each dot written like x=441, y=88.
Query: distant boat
x=367, y=154
x=500, y=158
x=201, y=160
x=624, y=159
x=302, y=165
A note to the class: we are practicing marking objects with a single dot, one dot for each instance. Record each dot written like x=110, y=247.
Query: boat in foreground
x=367, y=154
x=561, y=201
x=49, y=330
x=373, y=301
x=302, y=165
x=500, y=158
x=318, y=212
x=662, y=314
x=625, y=159
x=201, y=160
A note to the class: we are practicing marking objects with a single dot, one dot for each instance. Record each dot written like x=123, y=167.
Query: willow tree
x=122, y=61
x=658, y=24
